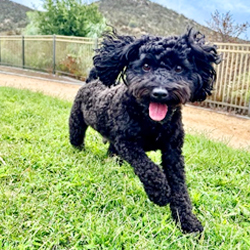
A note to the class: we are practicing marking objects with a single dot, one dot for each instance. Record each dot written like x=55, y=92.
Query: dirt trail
x=233, y=131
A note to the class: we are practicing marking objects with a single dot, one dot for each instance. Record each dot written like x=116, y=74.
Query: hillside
x=12, y=17
x=143, y=16
x=133, y=17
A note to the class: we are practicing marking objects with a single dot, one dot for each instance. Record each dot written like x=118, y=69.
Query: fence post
x=54, y=54
x=96, y=43
x=248, y=109
x=23, y=52
x=0, y=51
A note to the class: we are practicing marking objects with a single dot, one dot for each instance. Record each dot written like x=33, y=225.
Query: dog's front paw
x=158, y=190
x=190, y=224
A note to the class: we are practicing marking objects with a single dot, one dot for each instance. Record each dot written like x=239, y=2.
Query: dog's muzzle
x=158, y=110
x=159, y=94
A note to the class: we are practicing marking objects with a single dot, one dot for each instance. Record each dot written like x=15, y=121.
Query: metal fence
x=73, y=56
x=232, y=88
x=61, y=55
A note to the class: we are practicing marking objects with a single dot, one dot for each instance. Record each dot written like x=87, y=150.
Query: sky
x=200, y=11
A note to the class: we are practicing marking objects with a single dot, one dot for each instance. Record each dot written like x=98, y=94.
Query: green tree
x=69, y=18
x=33, y=27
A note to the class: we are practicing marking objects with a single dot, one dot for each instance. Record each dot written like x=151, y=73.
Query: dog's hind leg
x=77, y=126
x=112, y=153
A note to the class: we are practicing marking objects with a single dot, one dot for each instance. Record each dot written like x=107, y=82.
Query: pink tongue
x=157, y=111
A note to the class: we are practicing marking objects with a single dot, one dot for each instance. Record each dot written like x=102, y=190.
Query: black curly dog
x=134, y=98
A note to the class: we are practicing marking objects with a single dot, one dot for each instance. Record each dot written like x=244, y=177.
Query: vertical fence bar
x=96, y=43
x=219, y=85
x=0, y=51
x=247, y=99
x=54, y=54
x=238, y=95
x=23, y=52
x=243, y=80
x=226, y=76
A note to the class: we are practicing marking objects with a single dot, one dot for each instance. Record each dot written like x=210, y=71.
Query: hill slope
x=12, y=16
x=133, y=17
x=143, y=16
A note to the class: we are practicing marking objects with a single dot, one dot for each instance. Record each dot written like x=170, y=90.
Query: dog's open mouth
x=157, y=111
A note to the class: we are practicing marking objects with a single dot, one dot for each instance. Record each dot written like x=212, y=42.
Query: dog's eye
x=146, y=67
x=178, y=69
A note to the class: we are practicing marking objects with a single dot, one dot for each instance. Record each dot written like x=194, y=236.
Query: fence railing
x=54, y=54
x=232, y=88
x=73, y=56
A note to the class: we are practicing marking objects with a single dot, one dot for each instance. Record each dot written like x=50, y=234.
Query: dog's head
x=160, y=72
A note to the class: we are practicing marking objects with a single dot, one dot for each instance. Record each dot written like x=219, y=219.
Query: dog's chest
x=154, y=136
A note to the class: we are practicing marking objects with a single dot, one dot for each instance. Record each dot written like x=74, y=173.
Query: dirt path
x=233, y=131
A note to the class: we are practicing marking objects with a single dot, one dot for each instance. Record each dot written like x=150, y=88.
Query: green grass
x=55, y=197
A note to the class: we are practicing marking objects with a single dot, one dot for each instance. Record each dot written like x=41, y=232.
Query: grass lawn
x=55, y=197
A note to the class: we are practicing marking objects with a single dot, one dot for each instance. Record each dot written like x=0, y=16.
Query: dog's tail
x=77, y=126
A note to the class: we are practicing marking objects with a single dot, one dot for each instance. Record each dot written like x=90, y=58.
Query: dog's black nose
x=159, y=93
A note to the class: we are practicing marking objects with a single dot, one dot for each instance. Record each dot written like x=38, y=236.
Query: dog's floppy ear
x=113, y=56
x=204, y=57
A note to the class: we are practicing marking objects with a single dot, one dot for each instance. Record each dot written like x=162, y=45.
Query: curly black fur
x=143, y=112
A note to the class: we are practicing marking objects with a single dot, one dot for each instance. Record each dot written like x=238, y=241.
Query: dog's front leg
x=152, y=177
x=180, y=204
